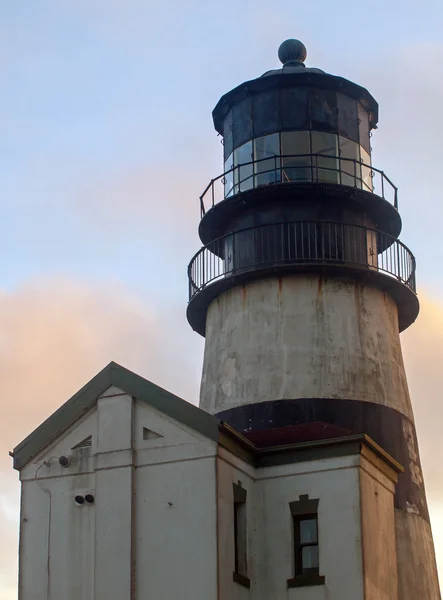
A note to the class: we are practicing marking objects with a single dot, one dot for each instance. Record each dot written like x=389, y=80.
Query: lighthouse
x=302, y=286
x=298, y=477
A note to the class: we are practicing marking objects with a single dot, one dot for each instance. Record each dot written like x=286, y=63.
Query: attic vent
x=86, y=443
x=148, y=434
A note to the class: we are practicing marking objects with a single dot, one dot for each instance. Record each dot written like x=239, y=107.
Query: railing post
x=395, y=198
x=382, y=184
x=355, y=172
x=212, y=192
x=398, y=260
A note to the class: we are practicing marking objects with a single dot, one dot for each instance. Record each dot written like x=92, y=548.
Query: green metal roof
x=85, y=399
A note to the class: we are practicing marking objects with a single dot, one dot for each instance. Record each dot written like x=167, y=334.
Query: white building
x=159, y=499
x=299, y=476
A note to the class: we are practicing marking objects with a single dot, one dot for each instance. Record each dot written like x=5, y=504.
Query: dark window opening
x=306, y=560
x=306, y=567
x=240, y=574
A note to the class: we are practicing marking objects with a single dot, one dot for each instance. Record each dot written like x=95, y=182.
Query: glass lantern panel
x=296, y=156
x=366, y=170
x=363, y=125
x=242, y=122
x=266, y=114
x=347, y=117
x=294, y=109
x=267, y=171
x=243, y=171
x=323, y=105
x=350, y=162
x=325, y=167
x=229, y=176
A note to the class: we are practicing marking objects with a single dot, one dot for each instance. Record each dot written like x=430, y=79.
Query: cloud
x=423, y=353
x=55, y=335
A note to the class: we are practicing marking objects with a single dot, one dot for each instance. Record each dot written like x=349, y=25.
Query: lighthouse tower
x=302, y=285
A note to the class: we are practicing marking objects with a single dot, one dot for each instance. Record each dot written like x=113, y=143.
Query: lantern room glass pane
x=267, y=171
x=323, y=105
x=294, y=109
x=347, y=117
x=350, y=162
x=363, y=119
x=295, y=166
x=266, y=113
x=325, y=168
x=243, y=171
x=229, y=176
x=366, y=170
x=242, y=122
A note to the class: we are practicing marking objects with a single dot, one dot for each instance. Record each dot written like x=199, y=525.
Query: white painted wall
x=152, y=529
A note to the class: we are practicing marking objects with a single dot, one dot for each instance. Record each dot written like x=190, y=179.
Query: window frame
x=303, y=509
x=240, y=573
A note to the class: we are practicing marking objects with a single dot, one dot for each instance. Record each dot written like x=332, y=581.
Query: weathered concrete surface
x=303, y=337
x=418, y=578
x=308, y=336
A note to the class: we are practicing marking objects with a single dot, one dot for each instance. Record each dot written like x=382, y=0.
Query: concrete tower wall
x=303, y=336
x=306, y=348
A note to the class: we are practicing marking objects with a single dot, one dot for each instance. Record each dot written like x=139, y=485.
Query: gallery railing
x=298, y=168
x=300, y=243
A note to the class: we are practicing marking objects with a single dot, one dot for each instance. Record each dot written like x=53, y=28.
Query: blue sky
x=106, y=142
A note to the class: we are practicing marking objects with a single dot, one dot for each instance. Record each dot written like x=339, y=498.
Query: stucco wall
x=378, y=529
x=303, y=336
x=151, y=531
x=335, y=482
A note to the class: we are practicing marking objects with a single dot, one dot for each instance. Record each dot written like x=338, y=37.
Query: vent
x=148, y=434
x=86, y=443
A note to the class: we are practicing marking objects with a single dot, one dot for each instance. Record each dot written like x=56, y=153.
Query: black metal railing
x=298, y=168
x=300, y=243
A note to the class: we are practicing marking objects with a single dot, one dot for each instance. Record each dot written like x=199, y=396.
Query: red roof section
x=294, y=434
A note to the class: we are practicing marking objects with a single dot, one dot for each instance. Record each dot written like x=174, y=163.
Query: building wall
x=232, y=470
x=152, y=529
x=335, y=482
x=303, y=336
x=378, y=529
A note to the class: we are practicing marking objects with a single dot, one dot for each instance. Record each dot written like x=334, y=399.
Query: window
x=229, y=176
x=240, y=574
x=296, y=167
x=323, y=109
x=267, y=171
x=306, y=543
x=243, y=175
x=363, y=126
x=350, y=170
x=325, y=167
x=366, y=170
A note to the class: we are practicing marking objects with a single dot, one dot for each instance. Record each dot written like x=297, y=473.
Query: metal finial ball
x=292, y=50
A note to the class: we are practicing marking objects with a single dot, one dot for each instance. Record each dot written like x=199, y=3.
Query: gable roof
x=116, y=375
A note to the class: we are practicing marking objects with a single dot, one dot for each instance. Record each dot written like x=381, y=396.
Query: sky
x=106, y=142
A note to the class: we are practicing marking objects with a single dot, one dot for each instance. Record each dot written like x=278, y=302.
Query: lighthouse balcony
x=328, y=248
x=295, y=177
